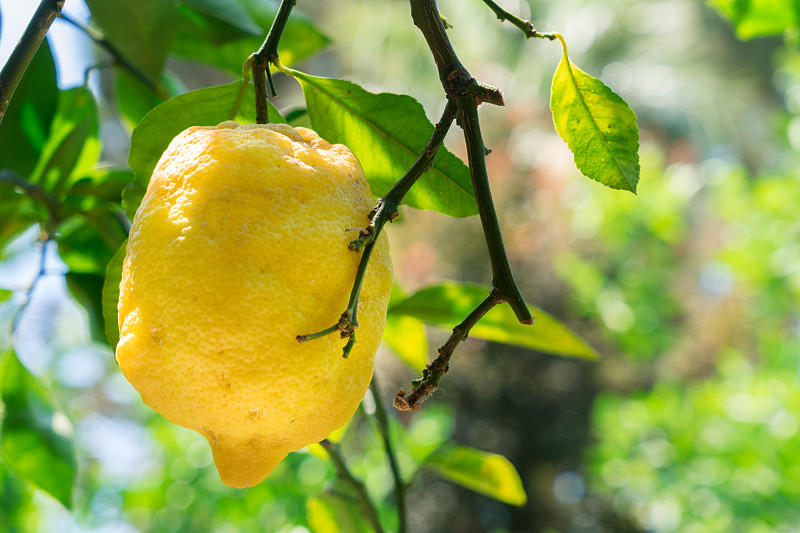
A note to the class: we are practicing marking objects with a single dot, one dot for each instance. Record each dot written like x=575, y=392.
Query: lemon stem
x=266, y=54
x=356, y=485
x=23, y=52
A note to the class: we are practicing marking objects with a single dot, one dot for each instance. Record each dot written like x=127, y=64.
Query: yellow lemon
x=240, y=245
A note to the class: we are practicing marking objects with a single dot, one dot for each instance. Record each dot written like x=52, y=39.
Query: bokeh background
x=689, y=420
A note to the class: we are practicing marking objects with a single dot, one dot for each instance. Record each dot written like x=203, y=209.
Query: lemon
x=240, y=245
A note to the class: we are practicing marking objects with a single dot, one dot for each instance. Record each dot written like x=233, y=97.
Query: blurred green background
x=689, y=420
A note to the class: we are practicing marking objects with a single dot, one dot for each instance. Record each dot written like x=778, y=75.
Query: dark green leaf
x=300, y=40
x=86, y=243
x=105, y=185
x=36, y=442
x=447, y=304
x=597, y=125
x=142, y=30
x=72, y=149
x=87, y=290
x=204, y=107
x=387, y=132
x=487, y=473
x=758, y=18
x=26, y=124
x=219, y=21
x=111, y=295
x=329, y=513
x=17, y=213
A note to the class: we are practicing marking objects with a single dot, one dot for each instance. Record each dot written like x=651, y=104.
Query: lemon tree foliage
x=487, y=473
x=142, y=30
x=387, y=132
x=759, y=18
x=598, y=126
x=446, y=304
x=36, y=440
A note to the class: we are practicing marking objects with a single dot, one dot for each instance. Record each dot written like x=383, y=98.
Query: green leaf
x=329, y=513
x=142, y=30
x=447, y=304
x=72, y=149
x=759, y=18
x=487, y=473
x=406, y=335
x=203, y=107
x=219, y=20
x=300, y=39
x=597, y=125
x=36, y=443
x=387, y=132
x=26, y=124
x=105, y=185
x=111, y=295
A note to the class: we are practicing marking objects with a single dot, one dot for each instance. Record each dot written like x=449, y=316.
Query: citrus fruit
x=240, y=245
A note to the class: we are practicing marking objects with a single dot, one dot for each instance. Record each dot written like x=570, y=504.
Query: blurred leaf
x=135, y=99
x=300, y=39
x=597, y=125
x=219, y=20
x=111, y=295
x=487, y=473
x=387, y=132
x=5, y=295
x=73, y=148
x=759, y=18
x=36, y=442
x=26, y=124
x=86, y=243
x=105, y=185
x=87, y=290
x=447, y=304
x=142, y=30
x=17, y=213
x=329, y=513
x=407, y=338
x=203, y=107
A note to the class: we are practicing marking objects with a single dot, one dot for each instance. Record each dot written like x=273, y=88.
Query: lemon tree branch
x=22, y=54
x=356, y=485
x=524, y=25
x=429, y=382
x=382, y=418
x=468, y=94
x=259, y=61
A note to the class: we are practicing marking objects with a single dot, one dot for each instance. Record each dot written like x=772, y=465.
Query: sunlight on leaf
x=487, y=473
x=447, y=304
x=597, y=125
x=329, y=513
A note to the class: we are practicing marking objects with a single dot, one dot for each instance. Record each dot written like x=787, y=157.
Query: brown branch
x=26, y=48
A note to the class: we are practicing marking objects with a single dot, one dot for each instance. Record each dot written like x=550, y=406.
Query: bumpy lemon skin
x=239, y=245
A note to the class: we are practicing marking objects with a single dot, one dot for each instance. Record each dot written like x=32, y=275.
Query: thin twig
x=524, y=25
x=23, y=52
x=45, y=239
x=381, y=416
x=100, y=39
x=429, y=382
x=268, y=53
x=358, y=487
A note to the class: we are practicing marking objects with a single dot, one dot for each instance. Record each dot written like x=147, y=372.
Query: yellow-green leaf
x=597, y=125
x=487, y=473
